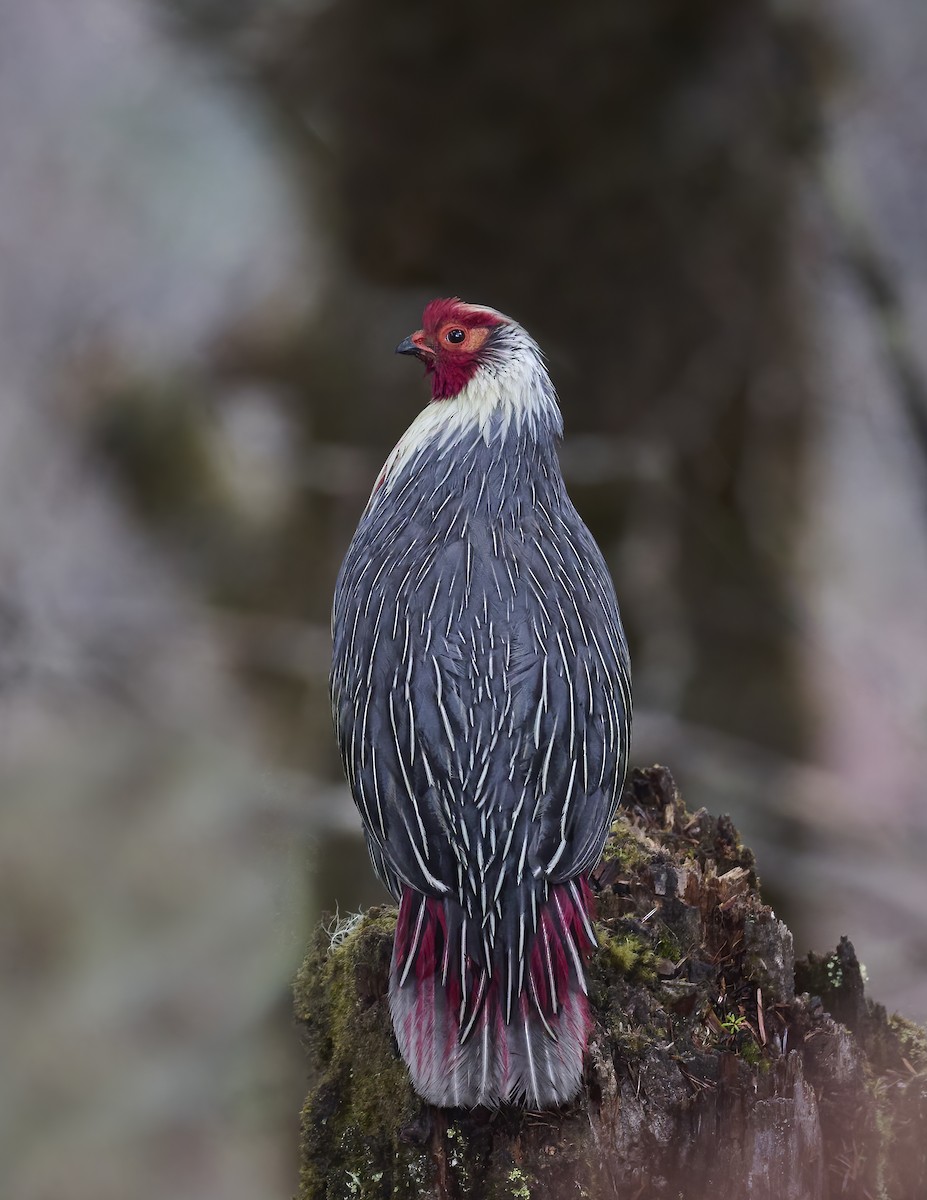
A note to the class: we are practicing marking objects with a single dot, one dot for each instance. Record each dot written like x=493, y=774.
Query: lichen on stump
x=708, y=1073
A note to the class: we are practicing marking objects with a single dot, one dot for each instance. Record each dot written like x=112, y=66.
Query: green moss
x=519, y=1184
x=821, y=975
x=624, y=848
x=459, y=1158
x=668, y=945
x=627, y=954
x=834, y=971
x=353, y=1117
x=912, y=1040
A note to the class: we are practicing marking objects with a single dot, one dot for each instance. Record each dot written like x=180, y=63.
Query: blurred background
x=217, y=219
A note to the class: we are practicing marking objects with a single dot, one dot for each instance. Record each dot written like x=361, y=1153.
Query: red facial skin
x=452, y=364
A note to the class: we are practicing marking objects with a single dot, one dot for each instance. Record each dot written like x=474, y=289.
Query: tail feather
x=509, y=1030
x=546, y=1071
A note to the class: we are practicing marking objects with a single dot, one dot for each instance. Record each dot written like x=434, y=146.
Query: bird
x=481, y=697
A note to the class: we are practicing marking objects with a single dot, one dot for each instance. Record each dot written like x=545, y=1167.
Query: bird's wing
x=399, y=717
x=577, y=738
x=482, y=709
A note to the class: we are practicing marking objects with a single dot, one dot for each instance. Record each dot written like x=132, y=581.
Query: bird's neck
x=504, y=403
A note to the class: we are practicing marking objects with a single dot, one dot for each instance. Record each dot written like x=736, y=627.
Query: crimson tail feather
x=489, y=1023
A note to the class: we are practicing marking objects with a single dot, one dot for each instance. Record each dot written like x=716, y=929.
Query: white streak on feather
x=416, y=938
x=571, y=945
x=405, y=778
x=441, y=709
x=430, y=879
x=376, y=790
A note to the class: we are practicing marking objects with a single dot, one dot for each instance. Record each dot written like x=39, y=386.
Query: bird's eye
x=455, y=335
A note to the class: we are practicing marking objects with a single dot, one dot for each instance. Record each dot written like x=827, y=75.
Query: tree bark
x=717, y=1066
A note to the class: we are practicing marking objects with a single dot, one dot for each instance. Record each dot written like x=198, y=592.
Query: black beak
x=407, y=346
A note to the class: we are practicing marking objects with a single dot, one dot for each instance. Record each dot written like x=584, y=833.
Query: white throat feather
x=512, y=388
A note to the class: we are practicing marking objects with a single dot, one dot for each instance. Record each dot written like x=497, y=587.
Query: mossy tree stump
x=717, y=1067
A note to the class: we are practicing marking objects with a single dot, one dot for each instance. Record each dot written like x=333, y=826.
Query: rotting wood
x=708, y=1073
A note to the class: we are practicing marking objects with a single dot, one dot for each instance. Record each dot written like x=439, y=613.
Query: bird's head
x=455, y=341
x=487, y=374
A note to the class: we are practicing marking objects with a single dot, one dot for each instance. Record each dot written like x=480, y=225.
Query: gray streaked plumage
x=481, y=695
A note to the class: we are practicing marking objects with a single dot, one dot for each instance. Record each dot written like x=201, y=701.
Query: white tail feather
x=524, y=1062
